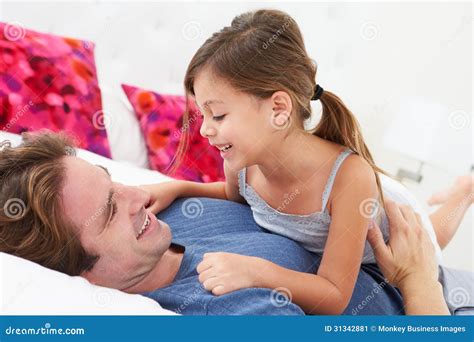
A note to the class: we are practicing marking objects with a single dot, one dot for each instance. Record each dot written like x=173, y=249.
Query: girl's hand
x=162, y=195
x=222, y=273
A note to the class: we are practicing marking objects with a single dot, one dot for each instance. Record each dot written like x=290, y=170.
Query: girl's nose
x=207, y=130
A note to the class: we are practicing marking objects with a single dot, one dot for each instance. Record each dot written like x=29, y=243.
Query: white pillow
x=121, y=172
x=121, y=121
x=30, y=289
x=397, y=192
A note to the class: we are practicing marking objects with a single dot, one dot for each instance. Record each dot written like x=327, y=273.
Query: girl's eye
x=219, y=117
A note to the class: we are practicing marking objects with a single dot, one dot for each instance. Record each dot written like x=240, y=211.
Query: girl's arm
x=228, y=190
x=328, y=291
x=163, y=194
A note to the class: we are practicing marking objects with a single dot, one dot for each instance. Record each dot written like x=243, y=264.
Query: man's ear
x=90, y=276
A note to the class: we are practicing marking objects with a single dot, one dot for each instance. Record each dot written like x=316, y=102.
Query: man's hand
x=409, y=258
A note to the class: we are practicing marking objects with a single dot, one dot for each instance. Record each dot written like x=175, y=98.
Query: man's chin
x=163, y=236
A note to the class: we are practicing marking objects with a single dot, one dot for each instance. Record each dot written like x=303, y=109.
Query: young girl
x=253, y=82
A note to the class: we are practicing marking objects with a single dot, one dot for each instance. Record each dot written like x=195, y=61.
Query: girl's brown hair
x=262, y=52
x=32, y=223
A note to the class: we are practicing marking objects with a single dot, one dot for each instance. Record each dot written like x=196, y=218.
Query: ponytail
x=340, y=126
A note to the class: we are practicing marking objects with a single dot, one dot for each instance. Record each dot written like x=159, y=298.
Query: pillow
x=47, y=81
x=123, y=123
x=27, y=288
x=122, y=173
x=397, y=192
x=30, y=289
x=160, y=118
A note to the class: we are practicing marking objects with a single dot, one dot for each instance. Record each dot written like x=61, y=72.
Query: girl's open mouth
x=224, y=149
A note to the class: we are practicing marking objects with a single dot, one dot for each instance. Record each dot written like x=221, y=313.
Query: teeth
x=225, y=148
x=145, y=226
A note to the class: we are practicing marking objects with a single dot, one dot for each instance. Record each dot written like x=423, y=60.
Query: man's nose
x=137, y=197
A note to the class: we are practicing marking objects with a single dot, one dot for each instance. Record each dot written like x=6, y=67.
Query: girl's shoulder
x=355, y=167
x=355, y=172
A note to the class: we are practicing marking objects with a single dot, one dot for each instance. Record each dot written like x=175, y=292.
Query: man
x=75, y=219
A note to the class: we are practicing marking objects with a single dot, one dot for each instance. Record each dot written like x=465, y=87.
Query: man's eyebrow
x=105, y=169
x=108, y=204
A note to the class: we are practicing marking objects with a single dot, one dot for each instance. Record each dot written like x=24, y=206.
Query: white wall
x=373, y=55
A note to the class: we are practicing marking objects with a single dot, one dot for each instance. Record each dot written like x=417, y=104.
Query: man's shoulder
x=207, y=217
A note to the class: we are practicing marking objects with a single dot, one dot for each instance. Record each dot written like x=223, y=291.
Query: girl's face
x=239, y=125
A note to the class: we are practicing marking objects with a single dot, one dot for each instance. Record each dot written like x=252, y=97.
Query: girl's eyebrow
x=208, y=103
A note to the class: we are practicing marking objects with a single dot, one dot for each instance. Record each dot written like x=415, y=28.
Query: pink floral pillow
x=50, y=82
x=160, y=118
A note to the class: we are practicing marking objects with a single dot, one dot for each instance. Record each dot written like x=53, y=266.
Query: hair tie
x=318, y=91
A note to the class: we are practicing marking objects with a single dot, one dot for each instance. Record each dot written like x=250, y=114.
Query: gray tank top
x=311, y=230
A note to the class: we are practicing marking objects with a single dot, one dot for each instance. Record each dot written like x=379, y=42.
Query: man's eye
x=114, y=211
x=219, y=117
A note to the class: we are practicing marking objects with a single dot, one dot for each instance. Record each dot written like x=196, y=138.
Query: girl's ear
x=281, y=102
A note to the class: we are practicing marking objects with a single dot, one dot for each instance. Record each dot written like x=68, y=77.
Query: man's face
x=109, y=217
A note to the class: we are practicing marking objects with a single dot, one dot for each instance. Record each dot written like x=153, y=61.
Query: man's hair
x=32, y=221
